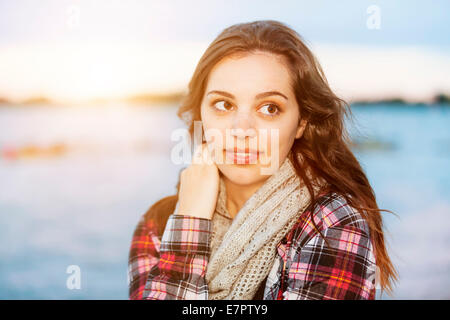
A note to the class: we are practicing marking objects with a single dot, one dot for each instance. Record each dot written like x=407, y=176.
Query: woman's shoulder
x=331, y=210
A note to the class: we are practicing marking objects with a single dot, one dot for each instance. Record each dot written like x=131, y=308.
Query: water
x=78, y=203
x=413, y=180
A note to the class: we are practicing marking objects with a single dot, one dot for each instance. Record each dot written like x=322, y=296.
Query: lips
x=242, y=156
x=240, y=151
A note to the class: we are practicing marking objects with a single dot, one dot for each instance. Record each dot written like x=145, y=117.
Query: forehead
x=253, y=72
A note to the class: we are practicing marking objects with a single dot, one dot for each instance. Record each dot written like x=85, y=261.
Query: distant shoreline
x=150, y=99
x=441, y=99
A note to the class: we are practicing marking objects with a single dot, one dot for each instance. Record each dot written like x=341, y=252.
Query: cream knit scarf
x=243, y=249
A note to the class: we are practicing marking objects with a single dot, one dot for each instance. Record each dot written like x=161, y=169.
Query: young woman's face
x=249, y=100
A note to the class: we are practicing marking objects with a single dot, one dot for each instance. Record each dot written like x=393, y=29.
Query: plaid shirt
x=305, y=267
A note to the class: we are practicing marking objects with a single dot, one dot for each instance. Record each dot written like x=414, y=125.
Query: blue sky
x=409, y=55
x=402, y=22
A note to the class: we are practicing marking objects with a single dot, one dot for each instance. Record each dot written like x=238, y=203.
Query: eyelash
x=265, y=115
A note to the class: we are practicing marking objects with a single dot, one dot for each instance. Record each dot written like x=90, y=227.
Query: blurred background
x=88, y=98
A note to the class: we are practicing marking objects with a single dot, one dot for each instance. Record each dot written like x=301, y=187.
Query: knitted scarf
x=243, y=249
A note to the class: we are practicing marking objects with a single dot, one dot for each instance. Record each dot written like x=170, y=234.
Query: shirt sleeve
x=345, y=270
x=143, y=256
x=179, y=271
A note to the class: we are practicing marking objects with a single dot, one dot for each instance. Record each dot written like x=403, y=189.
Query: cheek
x=286, y=135
x=286, y=142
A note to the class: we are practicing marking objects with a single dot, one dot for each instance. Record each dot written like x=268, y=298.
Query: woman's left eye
x=270, y=109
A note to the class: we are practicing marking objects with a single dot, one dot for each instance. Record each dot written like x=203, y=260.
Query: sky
x=84, y=49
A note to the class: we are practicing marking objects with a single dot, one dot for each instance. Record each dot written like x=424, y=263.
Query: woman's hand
x=199, y=186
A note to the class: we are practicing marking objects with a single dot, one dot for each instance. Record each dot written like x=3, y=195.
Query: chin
x=243, y=174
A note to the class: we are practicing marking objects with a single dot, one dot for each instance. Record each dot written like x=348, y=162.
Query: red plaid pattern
x=174, y=266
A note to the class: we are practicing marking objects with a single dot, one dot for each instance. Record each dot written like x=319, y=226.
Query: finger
x=207, y=156
x=198, y=156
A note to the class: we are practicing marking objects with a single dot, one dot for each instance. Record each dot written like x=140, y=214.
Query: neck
x=238, y=194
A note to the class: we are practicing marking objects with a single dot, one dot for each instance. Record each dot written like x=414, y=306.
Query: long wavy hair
x=324, y=148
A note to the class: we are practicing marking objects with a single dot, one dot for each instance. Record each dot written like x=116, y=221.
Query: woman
x=309, y=230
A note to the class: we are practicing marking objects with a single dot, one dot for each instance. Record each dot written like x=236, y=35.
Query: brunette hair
x=324, y=148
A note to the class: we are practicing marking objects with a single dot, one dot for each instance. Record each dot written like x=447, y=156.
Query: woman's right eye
x=222, y=105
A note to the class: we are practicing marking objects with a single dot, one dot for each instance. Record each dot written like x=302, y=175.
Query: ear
x=300, y=129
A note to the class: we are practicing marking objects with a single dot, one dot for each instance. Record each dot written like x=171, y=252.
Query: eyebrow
x=258, y=96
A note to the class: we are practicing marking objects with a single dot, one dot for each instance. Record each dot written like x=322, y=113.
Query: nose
x=243, y=125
